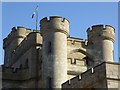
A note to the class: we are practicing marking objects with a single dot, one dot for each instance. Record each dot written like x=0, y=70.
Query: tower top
x=17, y=32
x=101, y=31
x=54, y=24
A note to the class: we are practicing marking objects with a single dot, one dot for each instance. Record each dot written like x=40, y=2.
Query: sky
x=81, y=15
x=60, y=0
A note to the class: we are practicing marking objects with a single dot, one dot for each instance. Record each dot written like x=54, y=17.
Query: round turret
x=20, y=34
x=101, y=32
x=55, y=24
x=15, y=37
x=54, y=51
x=101, y=38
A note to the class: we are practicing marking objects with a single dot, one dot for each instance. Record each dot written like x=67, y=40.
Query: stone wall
x=15, y=37
x=96, y=77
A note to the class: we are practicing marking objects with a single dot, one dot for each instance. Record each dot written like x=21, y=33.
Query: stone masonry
x=51, y=58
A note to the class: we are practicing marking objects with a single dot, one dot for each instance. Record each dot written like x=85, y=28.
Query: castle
x=50, y=58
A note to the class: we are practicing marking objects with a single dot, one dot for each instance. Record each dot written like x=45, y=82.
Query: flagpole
x=36, y=19
x=36, y=13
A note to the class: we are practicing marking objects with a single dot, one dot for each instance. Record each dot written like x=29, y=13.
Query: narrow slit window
x=49, y=48
x=26, y=63
x=49, y=83
x=113, y=54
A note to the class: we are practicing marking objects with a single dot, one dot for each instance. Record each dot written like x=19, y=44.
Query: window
x=86, y=61
x=93, y=88
x=49, y=48
x=113, y=54
x=73, y=61
x=49, y=83
x=26, y=63
x=21, y=66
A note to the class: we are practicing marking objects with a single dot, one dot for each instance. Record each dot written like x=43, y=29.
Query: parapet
x=99, y=73
x=101, y=31
x=14, y=74
x=55, y=23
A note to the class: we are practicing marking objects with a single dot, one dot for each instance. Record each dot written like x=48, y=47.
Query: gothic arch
x=83, y=52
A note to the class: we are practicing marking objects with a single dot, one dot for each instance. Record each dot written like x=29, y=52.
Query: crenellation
x=76, y=61
x=53, y=19
x=100, y=69
x=54, y=24
x=17, y=35
x=56, y=18
x=101, y=31
x=14, y=28
x=73, y=80
x=7, y=69
x=76, y=42
x=13, y=70
x=50, y=58
x=67, y=83
x=97, y=27
x=45, y=19
x=85, y=75
x=15, y=74
x=109, y=27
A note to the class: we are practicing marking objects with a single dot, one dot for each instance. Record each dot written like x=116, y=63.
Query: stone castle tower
x=50, y=58
x=54, y=34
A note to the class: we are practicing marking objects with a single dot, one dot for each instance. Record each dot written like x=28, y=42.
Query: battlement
x=17, y=32
x=54, y=18
x=100, y=27
x=14, y=74
x=98, y=31
x=72, y=41
x=55, y=23
x=103, y=71
x=12, y=70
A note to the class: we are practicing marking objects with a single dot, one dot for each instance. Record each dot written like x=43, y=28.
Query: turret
x=54, y=51
x=101, y=38
x=12, y=41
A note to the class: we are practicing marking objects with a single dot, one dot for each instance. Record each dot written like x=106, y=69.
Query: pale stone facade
x=50, y=58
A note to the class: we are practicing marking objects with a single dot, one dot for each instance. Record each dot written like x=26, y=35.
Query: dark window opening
x=113, y=54
x=26, y=63
x=99, y=34
x=49, y=48
x=86, y=61
x=21, y=66
x=73, y=61
x=93, y=88
x=49, y=83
